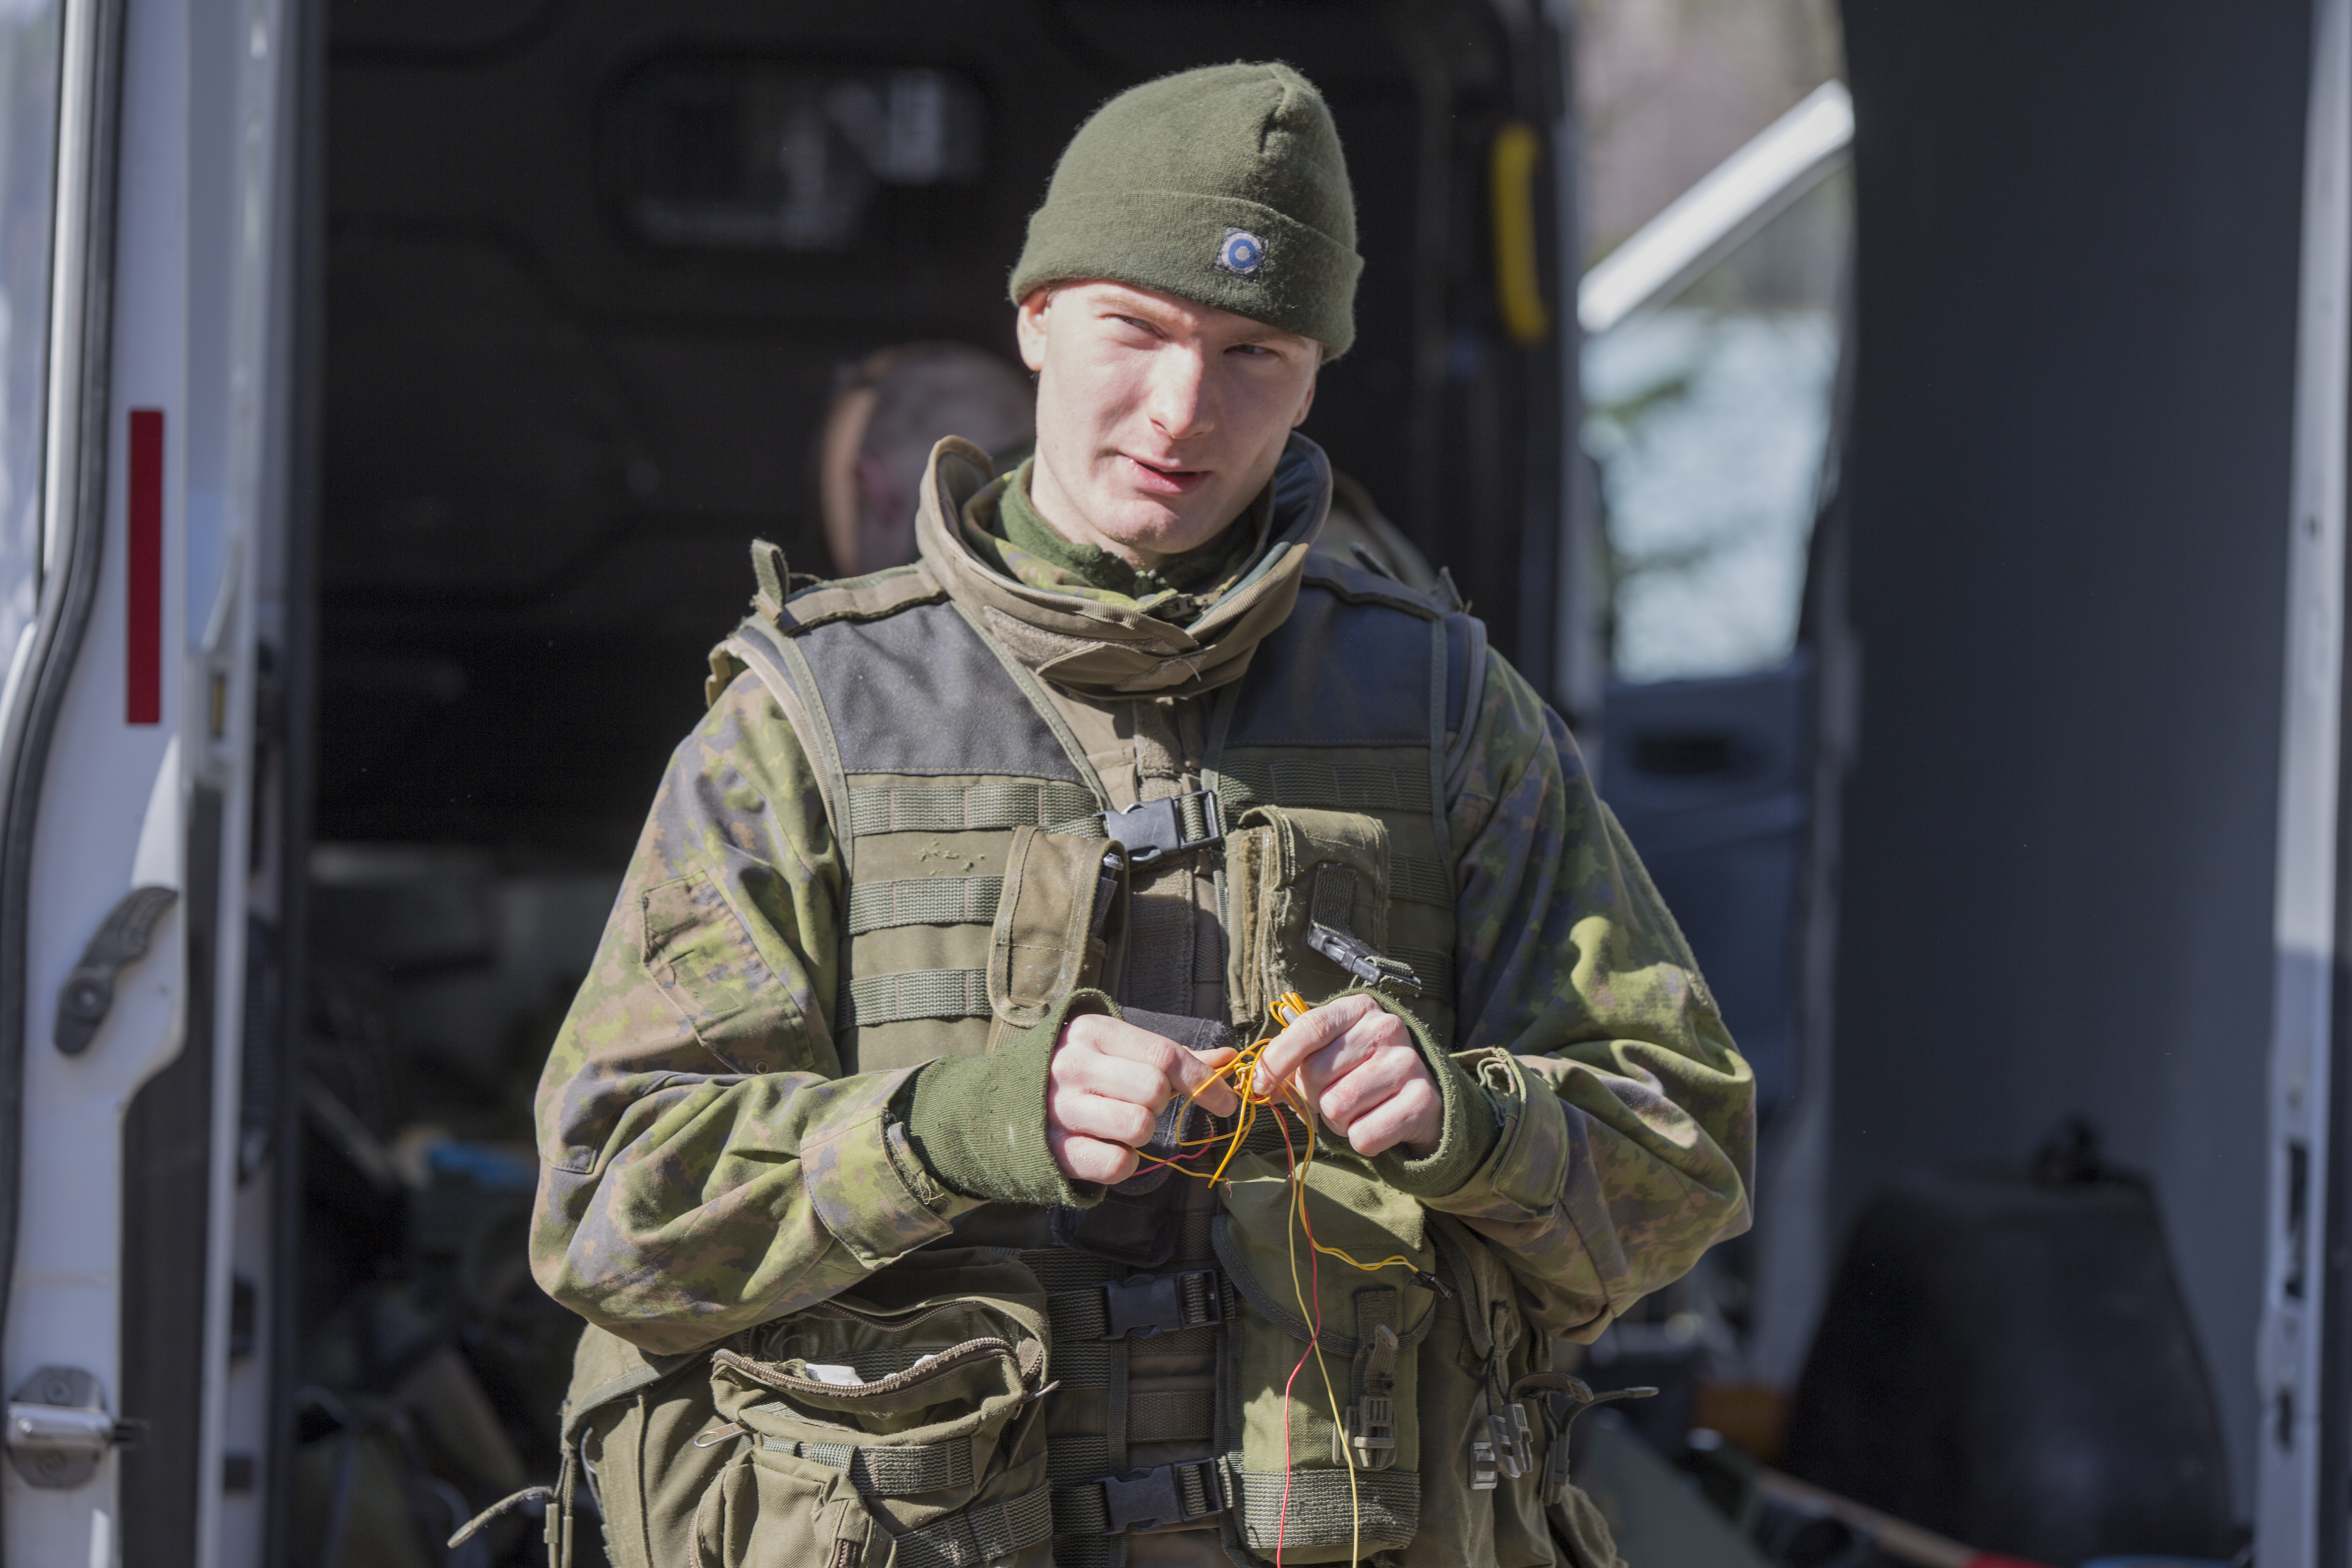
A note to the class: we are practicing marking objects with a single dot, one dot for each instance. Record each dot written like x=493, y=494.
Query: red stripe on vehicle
x=144, y=679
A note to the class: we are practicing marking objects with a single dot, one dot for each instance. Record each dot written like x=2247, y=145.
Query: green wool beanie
x=1223, y=186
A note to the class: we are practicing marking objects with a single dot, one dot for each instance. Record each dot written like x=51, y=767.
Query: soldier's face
x=1157, y=419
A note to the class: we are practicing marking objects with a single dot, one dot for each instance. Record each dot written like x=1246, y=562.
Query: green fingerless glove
x=978, y=1123
x=1469, y=1131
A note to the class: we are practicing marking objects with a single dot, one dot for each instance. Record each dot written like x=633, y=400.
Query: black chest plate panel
x=1337, y=674
x=918, y=692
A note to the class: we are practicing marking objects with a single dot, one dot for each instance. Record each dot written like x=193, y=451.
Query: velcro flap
x=1043, y=948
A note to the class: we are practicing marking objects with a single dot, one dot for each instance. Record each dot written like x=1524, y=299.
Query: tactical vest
x=987, y=875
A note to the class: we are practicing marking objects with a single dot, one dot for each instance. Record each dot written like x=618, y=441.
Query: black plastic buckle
x=1154, y=830
x=1149, y=1303
x=1145, y=1499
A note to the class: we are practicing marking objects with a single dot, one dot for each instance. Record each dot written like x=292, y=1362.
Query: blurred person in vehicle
x=875, y=1148
x=892, y=408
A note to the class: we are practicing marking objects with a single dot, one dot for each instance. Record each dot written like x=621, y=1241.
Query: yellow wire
x=1240, y=1072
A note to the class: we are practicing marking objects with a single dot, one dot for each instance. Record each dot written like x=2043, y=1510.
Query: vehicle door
x=143, y=334
x=1710, y=371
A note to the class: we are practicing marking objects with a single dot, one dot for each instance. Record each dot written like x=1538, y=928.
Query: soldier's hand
x=1363, y=1074
x=1107, y=1086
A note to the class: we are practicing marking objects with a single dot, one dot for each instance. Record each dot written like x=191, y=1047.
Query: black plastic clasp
x=1154, y=830
x=1145, y=1499
x=1153, y=1303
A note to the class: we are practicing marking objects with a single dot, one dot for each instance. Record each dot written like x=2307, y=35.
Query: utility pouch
x=1335, y=1465
x=896, y=1426
x=1060, y=903
x=1495, y=1423
x=1307, y=892
x=629, y=1423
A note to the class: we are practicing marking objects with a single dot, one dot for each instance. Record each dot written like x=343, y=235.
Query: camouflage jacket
x=706, y=1168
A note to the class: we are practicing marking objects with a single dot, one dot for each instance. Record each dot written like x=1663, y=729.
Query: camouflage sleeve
x=703, y=1164
x=1628, y=1115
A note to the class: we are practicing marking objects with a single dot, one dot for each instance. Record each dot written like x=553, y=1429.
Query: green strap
x=923, y=901
x=1434, y=970
x=1352, y=786
x=918, y=994
x=1420, y=882
x=948, y=808
x=1170, y=1416
x=979, y=1534
x=1313, y=1508
x=888, y=1472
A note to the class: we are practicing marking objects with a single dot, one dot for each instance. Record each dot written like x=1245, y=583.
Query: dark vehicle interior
x=592, y=272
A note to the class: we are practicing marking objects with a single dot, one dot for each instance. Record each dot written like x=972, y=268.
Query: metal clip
x=1152, y=830
x=1360, y=958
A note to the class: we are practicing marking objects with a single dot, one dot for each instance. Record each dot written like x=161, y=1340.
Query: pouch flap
x=1288, y=871
x=1259, y=1239
x=1045, y=945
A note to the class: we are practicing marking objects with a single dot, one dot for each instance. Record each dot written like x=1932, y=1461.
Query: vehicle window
x=28, y=124
x=769, y=155
x=1708, y=414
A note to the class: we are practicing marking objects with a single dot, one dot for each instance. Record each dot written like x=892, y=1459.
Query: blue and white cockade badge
x=1242, y=253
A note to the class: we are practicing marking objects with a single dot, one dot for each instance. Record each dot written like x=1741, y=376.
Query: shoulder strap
x=1360, y=586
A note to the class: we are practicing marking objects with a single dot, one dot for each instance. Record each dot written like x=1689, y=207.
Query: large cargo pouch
x=897, y=1426
x=1315, y=1487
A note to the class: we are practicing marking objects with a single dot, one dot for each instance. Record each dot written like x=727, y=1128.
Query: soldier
x=875, y=1148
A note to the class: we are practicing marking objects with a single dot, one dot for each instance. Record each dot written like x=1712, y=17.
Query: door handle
x=121, y=941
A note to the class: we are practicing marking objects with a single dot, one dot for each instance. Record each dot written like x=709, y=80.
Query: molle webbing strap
x=1434, y=970
x=979, y=1534
x=918, y=994
x=1178, y=1416
x=1386, y=1507
x=923, y=901
x=1347, y=786
x=1420, y=882
x=888, y=1472
x=951, y=808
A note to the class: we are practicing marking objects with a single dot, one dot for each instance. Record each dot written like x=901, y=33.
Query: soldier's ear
x=1030, y=324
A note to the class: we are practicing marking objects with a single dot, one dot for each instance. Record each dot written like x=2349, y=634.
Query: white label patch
x=838, y=1376
x=1240, y=252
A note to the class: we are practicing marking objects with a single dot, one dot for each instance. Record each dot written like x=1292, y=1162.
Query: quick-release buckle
x=1150, y=1303
x=1145, y=1499
x=1362, y=960
x=1154, y=830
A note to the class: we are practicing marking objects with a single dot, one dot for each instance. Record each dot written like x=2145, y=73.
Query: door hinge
x=58, y=1428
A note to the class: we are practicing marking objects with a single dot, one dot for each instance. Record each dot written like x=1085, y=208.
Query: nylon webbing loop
x=923, y=901
x=918, y=994
x=1420, y=882
x=1353, y=787
x=1141, y=1500
x=887, y=1472
x=1172, y=1416
x=1385, y=1509
x=948, y=808
x=1434, y=970
x=1147, y=1304
x=979, y=1534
